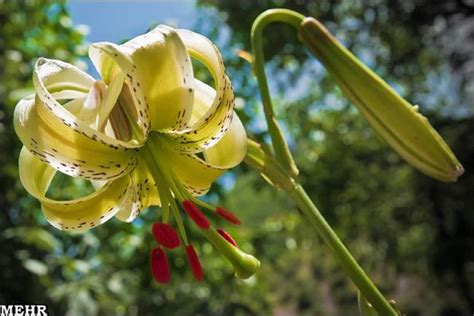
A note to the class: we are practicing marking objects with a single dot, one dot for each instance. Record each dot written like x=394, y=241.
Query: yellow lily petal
x=74, y=106
x=110, y=99
x=52, y=76
x=68, y=94
x=158, y=70
x=79, y=214
x=197, y=174
x=231, y=149
x=74, y=100
x=58, y=137
x=211, y=125
x=145, y=192
x=398, y=122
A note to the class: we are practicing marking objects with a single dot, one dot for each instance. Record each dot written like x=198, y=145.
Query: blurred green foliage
x=412, y=234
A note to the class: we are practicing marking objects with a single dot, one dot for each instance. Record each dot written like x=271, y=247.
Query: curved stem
x=282, y=152
x=278, y=176
x=345, y=258
x=281, y=170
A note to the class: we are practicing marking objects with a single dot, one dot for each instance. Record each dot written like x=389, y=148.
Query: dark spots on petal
x=99, y=174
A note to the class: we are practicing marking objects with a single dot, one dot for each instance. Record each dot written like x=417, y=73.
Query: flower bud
x=401, y=125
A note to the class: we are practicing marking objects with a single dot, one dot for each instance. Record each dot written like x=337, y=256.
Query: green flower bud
x=401, y=125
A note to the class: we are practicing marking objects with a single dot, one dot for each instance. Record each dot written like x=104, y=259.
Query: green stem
x=347, y=261
x=163, y=186
x=282, y=152
x=280, y=168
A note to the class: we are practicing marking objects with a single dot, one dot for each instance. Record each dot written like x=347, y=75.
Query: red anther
x=227, y=237
x=228, y=216
x=166, y=235
x=159, y=265
x=196, y=215
x=194, y=263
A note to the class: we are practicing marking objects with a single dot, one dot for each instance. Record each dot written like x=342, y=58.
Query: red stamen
x=159, y=265
x=194, y=263
x=228, y=216
x=166, y=235
x=196, y=215
x=227, y=237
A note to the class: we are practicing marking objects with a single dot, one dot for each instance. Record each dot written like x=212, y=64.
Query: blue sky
x=118, y=20
x=114, y=21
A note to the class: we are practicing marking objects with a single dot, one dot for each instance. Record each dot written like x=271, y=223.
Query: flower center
x=111, y=109
x=177, y=202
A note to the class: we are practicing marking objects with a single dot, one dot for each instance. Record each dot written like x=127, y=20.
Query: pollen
x=228, y=216
x=159, y=266
x=196, y=215
x=227, y=237
x=165, y=235
x=194, y=263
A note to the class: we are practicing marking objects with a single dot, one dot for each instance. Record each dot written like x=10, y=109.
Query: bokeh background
x=414, y=235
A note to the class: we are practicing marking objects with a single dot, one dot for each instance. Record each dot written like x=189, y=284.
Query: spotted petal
x=211, y=126
x=159, y=72
x=198, y=174
x=78, y=214
x=58, y=137
x=145, y=193
x=231, y=148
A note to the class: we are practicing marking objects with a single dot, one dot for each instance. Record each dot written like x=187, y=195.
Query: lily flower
x=401, y=124
x=146, y=134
